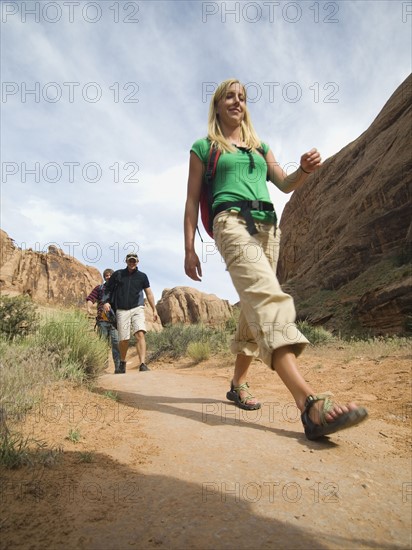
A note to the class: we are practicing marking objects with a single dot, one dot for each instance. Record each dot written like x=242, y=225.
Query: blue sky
x=101, y=102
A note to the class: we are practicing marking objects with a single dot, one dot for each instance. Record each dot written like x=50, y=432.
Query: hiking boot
x=117, y=369
x=122, y=368
x=143, y=368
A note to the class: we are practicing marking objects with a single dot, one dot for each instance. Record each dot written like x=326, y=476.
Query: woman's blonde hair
x=214, y=131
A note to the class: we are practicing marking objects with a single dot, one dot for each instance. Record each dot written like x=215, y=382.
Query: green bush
x=231, y=323
x=200, y=341
x=17, y=450
x=63, y=348
x=315, y=335
x=78, y=347
x=18, y=316
x=198, y=351
x=14, y=450
x=173, y=340
x=25, y=369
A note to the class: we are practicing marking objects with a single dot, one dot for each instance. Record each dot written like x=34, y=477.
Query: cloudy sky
x=101, y=102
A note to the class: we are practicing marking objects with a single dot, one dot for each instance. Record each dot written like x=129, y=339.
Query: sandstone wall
x=352, y=214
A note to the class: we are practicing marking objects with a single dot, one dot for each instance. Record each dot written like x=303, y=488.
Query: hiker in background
x=104, y=320
x=125, y=296
x=244, y=227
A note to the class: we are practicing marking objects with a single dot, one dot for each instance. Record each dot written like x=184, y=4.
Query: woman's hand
x=310, y=161
x=193, y=269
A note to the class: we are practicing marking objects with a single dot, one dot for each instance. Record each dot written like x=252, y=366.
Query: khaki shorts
x=130, y=319
x=267, y=315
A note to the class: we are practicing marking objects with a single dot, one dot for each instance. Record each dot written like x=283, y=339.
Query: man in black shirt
x=125, y=295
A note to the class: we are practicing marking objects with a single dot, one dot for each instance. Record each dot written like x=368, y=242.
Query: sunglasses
x=132, y=260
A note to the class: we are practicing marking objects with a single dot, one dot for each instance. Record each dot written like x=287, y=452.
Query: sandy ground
x=172, y=464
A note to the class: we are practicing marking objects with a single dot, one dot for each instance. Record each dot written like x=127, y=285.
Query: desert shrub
x=18, y=450
x=69, y=336
x=24, y=371
x=315, y=335
x=376, y=347
x=26, y=368
x=74, y=372
x=63, y=348
x=198, y=351
x=231, y=323
x=74, y=435
x=14, y=450
x=173, y=340
x=18, y=316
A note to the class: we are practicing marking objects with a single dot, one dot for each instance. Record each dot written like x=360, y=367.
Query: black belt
x=246, y=208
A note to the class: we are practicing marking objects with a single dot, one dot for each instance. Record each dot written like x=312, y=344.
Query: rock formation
x=152, y=325
x=346, y=234
x=49, y=278
x=187, y=305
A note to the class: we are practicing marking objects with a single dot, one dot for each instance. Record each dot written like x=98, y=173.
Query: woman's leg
x=268, y=312
x=265, y=309
x=284, y=363
x=242, y=364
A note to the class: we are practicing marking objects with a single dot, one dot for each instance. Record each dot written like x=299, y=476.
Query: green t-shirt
x=236, y=178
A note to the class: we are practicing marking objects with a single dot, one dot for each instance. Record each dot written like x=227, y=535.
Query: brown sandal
x=241, y=402
x=343, y=421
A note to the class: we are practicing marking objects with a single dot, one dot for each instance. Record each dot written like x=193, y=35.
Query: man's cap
x=131, y=255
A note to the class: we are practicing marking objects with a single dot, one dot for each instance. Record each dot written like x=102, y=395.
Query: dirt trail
x=174, y=465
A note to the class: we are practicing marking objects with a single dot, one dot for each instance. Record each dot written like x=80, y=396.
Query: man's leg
x=141, y=349
x=115, y=349
x=123, y=347
x=104, y=331
x=123, y=318
x=139, y=330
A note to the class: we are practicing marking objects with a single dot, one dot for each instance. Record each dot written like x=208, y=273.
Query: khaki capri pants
x=267, y=314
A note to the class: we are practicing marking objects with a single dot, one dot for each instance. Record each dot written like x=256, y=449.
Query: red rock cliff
x=49, y=278
x=346, y=234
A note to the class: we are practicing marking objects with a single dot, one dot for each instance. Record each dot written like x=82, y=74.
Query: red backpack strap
x=206, y=194
x=214, y=154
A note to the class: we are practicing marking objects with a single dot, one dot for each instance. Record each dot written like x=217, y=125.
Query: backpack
x=111, y=314
x=206, y=192
x=206, y=198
